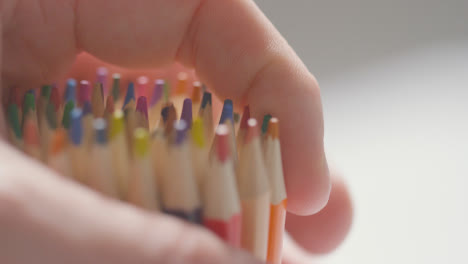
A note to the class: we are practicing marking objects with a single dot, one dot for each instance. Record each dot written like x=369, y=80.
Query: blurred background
x=394, y=80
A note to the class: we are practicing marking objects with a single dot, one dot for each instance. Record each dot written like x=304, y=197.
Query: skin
x=235, y=50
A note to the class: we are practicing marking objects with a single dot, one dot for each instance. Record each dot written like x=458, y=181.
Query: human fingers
x=56, y=221
x=324, y=231
x=237, y=52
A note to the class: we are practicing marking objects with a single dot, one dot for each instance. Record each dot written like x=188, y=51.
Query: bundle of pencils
x=134, y=146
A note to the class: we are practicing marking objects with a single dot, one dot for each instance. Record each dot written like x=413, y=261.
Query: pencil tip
x=70, y=90
x=157, y=91
x=187, y=112
x=29, y=103
x=76, y=126
x=206, y=100
x=142, y=106
x=245, y=117
x=180, y=127
x=266, y=121
x=227, y=112
x=13, y=119
x=66, y=114
x=252, y=130
x=181, y=83
x=100, y=128
x=84, y=92
x=198, y=134
x=196, y=92
x=222, y=142
x=130, y=94
x=273, y=128
x=45, y=91
x=141, y=142
x=117, y=123
x=87, y=108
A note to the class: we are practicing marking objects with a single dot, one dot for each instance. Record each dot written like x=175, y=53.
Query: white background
x=394, y=79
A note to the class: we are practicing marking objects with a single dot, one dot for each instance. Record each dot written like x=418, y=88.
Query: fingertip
x=324, y=231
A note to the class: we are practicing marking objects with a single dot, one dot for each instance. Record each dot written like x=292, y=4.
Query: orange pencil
x=273, y=164
x=180, y=92
x=31, y=138
x=58, y=156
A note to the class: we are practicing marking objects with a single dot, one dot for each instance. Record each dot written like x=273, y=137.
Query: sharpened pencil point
x=245, y=117
x=180, y=127
x=84, y=93
x=227, y=112
x=70, y=90
x=252, y=130
x=142, y=106
x=187, y=112
x=13, y=120
x=273, y=128
x=206, y=100
x=100, y=128
x=76, y=126
x=130, y=94
x=222, y=142
x=198, y=133
x=157, y=92
x=141, y=142
x=66, y=114
x=117, y=123
x=266, y=121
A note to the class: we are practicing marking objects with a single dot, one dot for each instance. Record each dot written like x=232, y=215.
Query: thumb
x=55, y=220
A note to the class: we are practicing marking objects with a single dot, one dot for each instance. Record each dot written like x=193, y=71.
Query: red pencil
x=221, y=207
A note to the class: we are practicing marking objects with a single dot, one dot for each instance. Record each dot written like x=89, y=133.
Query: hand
x=235, y=50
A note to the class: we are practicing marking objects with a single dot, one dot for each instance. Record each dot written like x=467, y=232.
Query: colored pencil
x=143, y=191
x=168, y=116
x=242, y=128
x=196, y=97
x=116, y=87
x=109, y=110
x=49, y=125
x=84, y=93
x=77, y=148
x=101, y=77
x=68, y=108
x=221, y=206
x=120, y=155
x=180, y=92
x=179, y=192
x=228, y=119
x=87, y=121
x=101, y=171
x=141, y=115
x=142, y=86
x=29, y=108
x=199, y=152
x=156, y=103
x=206, y=114
x=70, y=91
x=97, y=100
x=31, y=138
x=129, y=101
x=58, y=156
x=274, y=168
x=14, y=126
x=186, y=114
x=254, y=192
